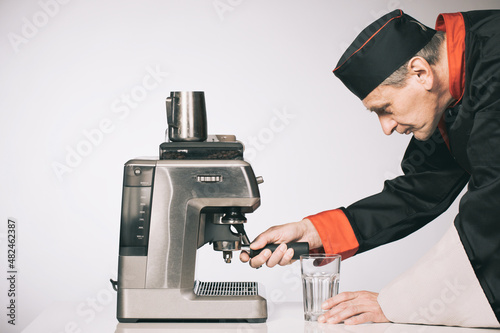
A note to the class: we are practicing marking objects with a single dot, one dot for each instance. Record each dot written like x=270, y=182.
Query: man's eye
x=383, y=112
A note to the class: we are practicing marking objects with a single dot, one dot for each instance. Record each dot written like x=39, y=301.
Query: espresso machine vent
x=226, y=288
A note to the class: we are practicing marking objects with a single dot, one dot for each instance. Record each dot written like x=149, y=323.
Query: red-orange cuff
x=335, y=232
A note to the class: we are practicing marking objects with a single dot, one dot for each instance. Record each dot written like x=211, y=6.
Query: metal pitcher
x=186, y=116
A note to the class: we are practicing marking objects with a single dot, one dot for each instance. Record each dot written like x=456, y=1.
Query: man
x=444, y=87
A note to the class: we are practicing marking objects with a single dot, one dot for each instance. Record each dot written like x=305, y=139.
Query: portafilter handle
x=299, y=248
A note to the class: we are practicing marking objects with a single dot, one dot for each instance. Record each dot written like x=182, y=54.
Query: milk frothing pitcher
x=186, y=116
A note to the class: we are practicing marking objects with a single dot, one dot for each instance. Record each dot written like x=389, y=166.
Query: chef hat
x=379, y=50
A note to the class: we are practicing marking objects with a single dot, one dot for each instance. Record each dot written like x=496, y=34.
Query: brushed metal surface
x=185, y=215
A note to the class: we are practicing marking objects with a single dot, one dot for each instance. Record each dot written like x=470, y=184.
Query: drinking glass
x=320, y=281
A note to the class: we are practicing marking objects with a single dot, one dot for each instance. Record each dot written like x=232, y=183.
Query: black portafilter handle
x=299, y=248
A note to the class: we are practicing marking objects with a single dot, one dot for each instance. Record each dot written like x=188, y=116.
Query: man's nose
x=388, y=124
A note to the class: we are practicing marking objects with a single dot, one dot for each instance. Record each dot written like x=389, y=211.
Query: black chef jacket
x=435, y=174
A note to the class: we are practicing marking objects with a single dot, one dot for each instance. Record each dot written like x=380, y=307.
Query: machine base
x=168, y=320
x=177, y=305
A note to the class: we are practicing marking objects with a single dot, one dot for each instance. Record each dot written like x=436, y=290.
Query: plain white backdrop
x=82, y=90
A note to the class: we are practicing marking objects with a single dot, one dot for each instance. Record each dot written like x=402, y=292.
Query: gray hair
x=430, y=53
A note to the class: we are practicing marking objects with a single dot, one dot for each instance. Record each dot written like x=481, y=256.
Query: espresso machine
x=197, y=192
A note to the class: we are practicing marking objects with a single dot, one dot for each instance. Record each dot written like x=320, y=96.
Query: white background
x=66, y=70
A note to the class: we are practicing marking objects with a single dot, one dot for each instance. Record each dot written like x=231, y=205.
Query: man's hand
x=353, y=308
x=302, y=231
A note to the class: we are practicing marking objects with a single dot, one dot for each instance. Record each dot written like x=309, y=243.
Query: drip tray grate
x=226, y=288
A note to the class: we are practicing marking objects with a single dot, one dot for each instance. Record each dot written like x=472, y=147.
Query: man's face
x=410, y=109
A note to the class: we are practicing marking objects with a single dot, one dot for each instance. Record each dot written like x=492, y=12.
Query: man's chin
x=424, y=133
x=421, y=136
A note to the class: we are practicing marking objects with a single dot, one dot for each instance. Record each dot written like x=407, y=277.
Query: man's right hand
x=302, y=231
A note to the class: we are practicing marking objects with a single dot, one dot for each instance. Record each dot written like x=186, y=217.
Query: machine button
x=138, y=175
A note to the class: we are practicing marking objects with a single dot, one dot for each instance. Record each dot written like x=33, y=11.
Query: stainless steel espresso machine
x=197, y=192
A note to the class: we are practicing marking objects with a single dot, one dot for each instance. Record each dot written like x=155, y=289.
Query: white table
x=282, y=317
x=288, y=317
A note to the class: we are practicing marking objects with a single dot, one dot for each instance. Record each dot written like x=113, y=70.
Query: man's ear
x=421, y=71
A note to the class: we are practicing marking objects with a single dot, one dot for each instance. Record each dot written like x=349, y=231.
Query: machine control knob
x=259, y=179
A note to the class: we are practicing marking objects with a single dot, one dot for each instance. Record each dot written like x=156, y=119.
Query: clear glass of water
x=320, y=281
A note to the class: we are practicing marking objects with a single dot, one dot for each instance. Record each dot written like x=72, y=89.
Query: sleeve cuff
x=335, y=232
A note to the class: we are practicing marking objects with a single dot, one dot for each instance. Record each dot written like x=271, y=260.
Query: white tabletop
x=282, y=317
x=288, y=317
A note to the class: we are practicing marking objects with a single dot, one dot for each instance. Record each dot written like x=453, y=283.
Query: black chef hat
x=379, y=50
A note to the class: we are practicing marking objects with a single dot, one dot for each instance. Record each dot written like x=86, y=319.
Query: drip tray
x=225, y=288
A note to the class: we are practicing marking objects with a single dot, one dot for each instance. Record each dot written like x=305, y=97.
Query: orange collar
x=453, y=25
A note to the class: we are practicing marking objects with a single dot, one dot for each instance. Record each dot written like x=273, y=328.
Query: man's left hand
x=353, y=308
